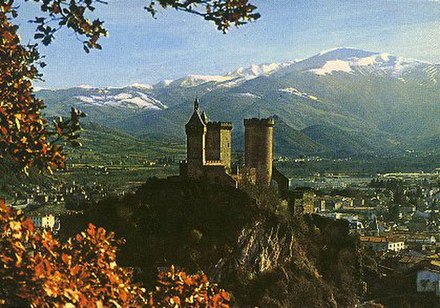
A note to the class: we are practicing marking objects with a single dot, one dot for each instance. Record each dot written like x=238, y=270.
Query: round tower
x=259, y=148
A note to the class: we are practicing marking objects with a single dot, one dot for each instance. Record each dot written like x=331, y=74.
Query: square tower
x=219, y=143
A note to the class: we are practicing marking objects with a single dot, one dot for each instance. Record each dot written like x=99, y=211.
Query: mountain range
x=343, y=101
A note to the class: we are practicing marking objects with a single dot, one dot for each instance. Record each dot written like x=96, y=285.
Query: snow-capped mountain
x=228, y=80
x=389, y=100
x=350, y=60
x=125, y=99
x=360, y=62
x=258, y=70
x=339, y=60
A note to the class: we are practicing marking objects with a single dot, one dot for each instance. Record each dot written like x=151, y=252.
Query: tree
x=36, y=269
x=24, y=134
x=72, y=14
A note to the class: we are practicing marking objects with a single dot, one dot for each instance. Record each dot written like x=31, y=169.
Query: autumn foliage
x=24, y=133
x=177, y=289
x=38, y=270
x=223, y=13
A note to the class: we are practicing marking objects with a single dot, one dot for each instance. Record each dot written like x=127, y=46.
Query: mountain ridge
x=390, y=101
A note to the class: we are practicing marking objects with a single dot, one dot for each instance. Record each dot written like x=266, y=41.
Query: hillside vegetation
x=253, y=247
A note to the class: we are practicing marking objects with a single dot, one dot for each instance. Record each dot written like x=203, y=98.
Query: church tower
x=195, y=142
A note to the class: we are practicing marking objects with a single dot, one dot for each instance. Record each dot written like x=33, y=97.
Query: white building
x=382, y=243
x=46, y=222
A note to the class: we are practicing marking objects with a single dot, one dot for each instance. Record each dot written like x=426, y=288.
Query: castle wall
x=282, y=182
x=218, y=175
x=213, y=143
x=219, y=143
x=259, y=148
x=226, y=148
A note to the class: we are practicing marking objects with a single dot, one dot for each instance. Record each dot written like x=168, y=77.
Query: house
x=319, y=205
x=304, y=200
x=409, y=261
x=382, y=243
x=356, y=225
x=45, y=222
x=359, y=202
x=421, y=239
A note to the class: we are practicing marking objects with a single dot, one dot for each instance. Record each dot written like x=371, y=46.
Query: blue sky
x=145, y=50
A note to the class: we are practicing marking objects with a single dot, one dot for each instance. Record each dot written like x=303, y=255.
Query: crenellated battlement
x=220, y=125
x=268, y=122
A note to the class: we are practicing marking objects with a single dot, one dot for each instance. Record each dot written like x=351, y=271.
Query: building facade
x=382, y=243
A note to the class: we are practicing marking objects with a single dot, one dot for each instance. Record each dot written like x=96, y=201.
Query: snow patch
x=86, y=99
x=138, y=102
x=259, y=70
x=297, y=92
x=124, y=100
x=248, y=94
x=142, y=86
x=333, y=66
x=97, y=97
x=123, y=96
x=86, y=86
x=196, y=80
x=349, y=60
x=154, y=101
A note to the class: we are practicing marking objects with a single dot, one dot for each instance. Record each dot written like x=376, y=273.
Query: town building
x=45, y=222
x=382, y=243
x=304, y=200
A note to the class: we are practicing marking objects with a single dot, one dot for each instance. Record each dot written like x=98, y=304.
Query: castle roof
x=204, y=117
x=196, y=119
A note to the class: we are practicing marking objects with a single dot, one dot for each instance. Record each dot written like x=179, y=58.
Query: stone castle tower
x=209, y=152
x=209, y=149
x=259, y=148
x=195, y=143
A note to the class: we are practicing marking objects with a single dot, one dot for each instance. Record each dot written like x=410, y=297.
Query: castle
x=209, y=152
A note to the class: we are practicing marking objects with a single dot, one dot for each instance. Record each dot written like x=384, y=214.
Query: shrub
x=177, y=289
x=37, y=269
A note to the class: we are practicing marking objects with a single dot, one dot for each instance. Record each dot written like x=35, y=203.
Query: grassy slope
x=103, y=144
